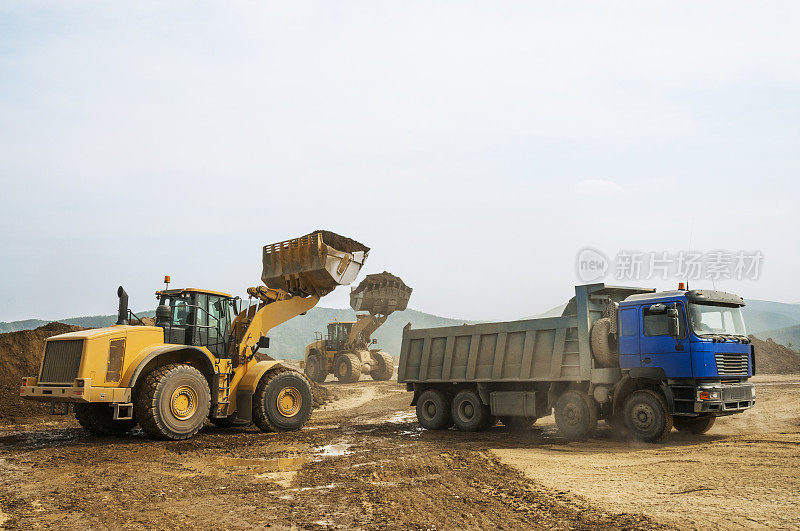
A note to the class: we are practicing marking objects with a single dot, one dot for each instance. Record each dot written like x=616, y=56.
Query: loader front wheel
x=172, y=402
x=282, y=401
x=315, y=368
x=348, y=368
x=99, y=419
x=383, y=368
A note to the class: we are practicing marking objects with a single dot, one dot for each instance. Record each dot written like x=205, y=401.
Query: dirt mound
x=20, y=356
x=774, y=358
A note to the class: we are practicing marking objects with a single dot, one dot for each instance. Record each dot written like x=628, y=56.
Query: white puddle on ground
x=333, y=450
x=402, y=416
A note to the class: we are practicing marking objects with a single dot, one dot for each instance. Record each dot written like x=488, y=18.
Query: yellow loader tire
x=99, y=419
x=315, y=367
x=172, y=402
x=347, y=368
x=282, y=401
x=383, y=368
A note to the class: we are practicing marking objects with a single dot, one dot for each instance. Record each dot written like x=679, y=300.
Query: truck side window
x=628, y=318
x=657, y=324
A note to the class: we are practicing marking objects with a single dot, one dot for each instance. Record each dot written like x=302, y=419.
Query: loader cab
x=338, y=332
x=197, y=317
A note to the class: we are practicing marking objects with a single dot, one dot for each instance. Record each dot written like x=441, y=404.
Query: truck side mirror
x=673, y=323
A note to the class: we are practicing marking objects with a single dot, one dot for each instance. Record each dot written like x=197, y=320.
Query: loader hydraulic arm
x=366, y=325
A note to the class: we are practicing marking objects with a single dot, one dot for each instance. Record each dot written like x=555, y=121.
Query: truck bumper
x=75, y=394
x=724, y=399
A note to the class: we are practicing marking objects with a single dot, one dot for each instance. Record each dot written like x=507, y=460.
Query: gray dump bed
x=548, y=349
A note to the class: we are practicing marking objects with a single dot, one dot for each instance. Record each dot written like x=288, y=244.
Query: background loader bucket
x=313, y=264
x=380, y=294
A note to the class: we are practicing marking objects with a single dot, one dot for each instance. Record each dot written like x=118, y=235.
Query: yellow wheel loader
x=198, y=361
x=346, y=350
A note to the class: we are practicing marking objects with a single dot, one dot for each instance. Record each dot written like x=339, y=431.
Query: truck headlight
x=753, y=392
x=708, y=394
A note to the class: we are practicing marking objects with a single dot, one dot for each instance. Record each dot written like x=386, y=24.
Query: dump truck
x=642, y=361
x=199, y=359
x=346, y=350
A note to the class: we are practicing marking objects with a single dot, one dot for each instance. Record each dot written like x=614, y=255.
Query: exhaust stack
x=122, y=316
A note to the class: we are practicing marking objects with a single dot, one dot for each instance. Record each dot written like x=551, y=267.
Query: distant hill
x=789, y=336
x=289, y=340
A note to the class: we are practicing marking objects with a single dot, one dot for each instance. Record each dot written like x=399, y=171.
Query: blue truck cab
x=695, y=343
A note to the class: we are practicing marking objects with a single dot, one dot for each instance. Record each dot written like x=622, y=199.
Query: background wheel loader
x=198, y=361
x=345, y=351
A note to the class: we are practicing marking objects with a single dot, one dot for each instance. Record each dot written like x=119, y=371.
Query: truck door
x=658, y=348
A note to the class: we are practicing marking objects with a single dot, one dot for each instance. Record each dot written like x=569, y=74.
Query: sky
x=476, y=147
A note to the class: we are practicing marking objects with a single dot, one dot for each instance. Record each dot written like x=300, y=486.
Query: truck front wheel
x=695, y=426
x=282, y=401
x=172, y=402
x=433, y=410
x=646, y=416
x=576, y=415
x=99, y=419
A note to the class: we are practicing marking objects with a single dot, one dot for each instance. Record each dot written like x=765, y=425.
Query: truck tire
x=383, y=368
x=347, y=368
x=695, y=426
x=433, y=410
x=282, y=401
x=99, y=419
x=576, y=415
x=172, y=402
x=603, y=347
x=646, y=416
x=518, y=423
x=315, y=368
x=469, y=413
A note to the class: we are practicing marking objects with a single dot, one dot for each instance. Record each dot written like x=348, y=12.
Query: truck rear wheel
x=172, y=402
x=518, y=423
x=315, y=368
x=347, y=368
x=282, y=401
x=695, y=426
x=99, y=419
x=646, y=416
x=383, y=368
x=576, y=414
x=469, y=413
x=433, y=410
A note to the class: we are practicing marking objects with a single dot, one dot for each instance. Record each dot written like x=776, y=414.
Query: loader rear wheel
x=518, y=423
x=172, y=402
x=383, y=368
x=99, y=419
x=469, y=413
x=646, y=416
x=576, y=414
x=433, y=410
x=695, y=426
x=282, y=401
x=315, y=368
x=347, y=368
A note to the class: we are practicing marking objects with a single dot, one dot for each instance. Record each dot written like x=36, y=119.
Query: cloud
x=597, y=187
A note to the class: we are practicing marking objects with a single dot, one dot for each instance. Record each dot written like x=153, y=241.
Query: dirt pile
x=774, y=358
x=20, y=356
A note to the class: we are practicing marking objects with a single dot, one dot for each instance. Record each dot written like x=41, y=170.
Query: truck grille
x=731, y=363
x=62, y=360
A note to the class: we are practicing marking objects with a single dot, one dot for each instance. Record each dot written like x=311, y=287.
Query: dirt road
x=363, y=462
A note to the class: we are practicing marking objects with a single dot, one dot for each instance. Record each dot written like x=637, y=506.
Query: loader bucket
x=313, y=264
x=380, y=294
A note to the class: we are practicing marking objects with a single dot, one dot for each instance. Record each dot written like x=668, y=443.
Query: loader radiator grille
x=731, y=363
x=62, y=359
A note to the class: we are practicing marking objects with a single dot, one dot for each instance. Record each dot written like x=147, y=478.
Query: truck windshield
x=709, y=320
